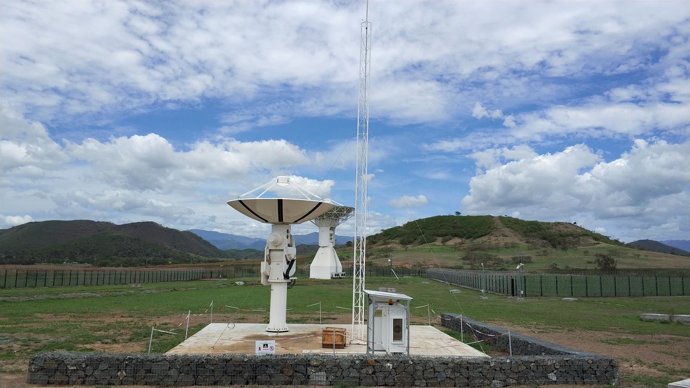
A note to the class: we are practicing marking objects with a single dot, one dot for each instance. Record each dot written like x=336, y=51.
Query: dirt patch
x=637, y=355
x=126, y=347
x=73, y=295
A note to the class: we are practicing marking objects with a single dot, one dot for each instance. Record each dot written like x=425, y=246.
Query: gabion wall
x=551, y=365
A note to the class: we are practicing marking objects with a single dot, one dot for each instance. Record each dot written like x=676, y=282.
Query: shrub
x=605, y=262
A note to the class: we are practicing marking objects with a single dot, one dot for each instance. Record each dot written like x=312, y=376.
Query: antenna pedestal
x=278, y=269
x=326, y=264
x=277, y=323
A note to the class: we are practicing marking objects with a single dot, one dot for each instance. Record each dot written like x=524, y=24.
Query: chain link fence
x=32, y=278
x=560, y=285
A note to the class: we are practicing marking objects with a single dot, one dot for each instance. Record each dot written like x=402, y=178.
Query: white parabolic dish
x=281, y=210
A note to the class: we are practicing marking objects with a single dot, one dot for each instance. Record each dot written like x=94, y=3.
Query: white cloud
x=438, y=175
x=609, y=118
x=479, y=112
x=649, y=185
x=137, y=162
x=492, y=157
x=661, y=105
x=120, y=55
x=10, y=221
x=254, y=65
x=133, y=178
x=409, y=201
x=25, y=147
x=150, y=162
x=424, y=101
x=343, y=154
x=448, y=145
x=72, y=58
x=509, y=122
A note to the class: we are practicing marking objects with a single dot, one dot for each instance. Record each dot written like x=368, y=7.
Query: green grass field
x=119, y=318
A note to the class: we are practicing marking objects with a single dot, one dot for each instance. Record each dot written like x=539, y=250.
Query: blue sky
x=163, y=111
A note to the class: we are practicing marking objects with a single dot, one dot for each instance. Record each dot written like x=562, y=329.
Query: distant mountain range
x=230, y=241
x=656, y=246
x=227, y=241
x=147, y=243
x=101, y=243
x=140, y=243
x=680, y=244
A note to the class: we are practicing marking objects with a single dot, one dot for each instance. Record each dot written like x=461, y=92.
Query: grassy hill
x=440, y=227
x=101, y=243
x=501, y=243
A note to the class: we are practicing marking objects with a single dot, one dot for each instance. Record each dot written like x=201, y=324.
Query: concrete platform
x=680, y=384
x=218, y=338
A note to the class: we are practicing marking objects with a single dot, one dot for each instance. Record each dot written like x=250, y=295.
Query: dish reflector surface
x=281, y=210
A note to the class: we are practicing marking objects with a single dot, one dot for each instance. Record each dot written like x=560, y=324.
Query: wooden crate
x=333, y=337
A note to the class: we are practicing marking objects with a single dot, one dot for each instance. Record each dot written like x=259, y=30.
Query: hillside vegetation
x=101, y=243
x=469, y=242
x=429, y=229
x=502, y=243
x=555, y=234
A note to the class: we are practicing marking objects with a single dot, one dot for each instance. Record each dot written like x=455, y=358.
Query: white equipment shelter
x=388, y=323
x=279, y=265
x=326, y=264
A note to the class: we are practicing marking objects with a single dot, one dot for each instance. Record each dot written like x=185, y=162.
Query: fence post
x=586, y=286
x=541, y=285
x=4, y=278
x=642, y=277
x=629, y=289
x=571, y=285
x=656, y=284
x=556, y=276
x=615, y=286
x=601, y=286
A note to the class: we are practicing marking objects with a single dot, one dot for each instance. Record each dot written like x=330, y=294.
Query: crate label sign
x=265, y=347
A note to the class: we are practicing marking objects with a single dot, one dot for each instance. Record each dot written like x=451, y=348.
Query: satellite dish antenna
x=326, y=264
x=281, y=203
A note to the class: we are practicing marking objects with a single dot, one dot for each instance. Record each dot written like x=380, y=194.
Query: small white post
x=150, y=340
x=428, y=312
x=211, y=311
x=462, y=330
x=510, y=344
x=186, y=330
x=314, y=304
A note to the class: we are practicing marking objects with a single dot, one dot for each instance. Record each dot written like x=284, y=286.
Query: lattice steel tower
x=360, y=243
